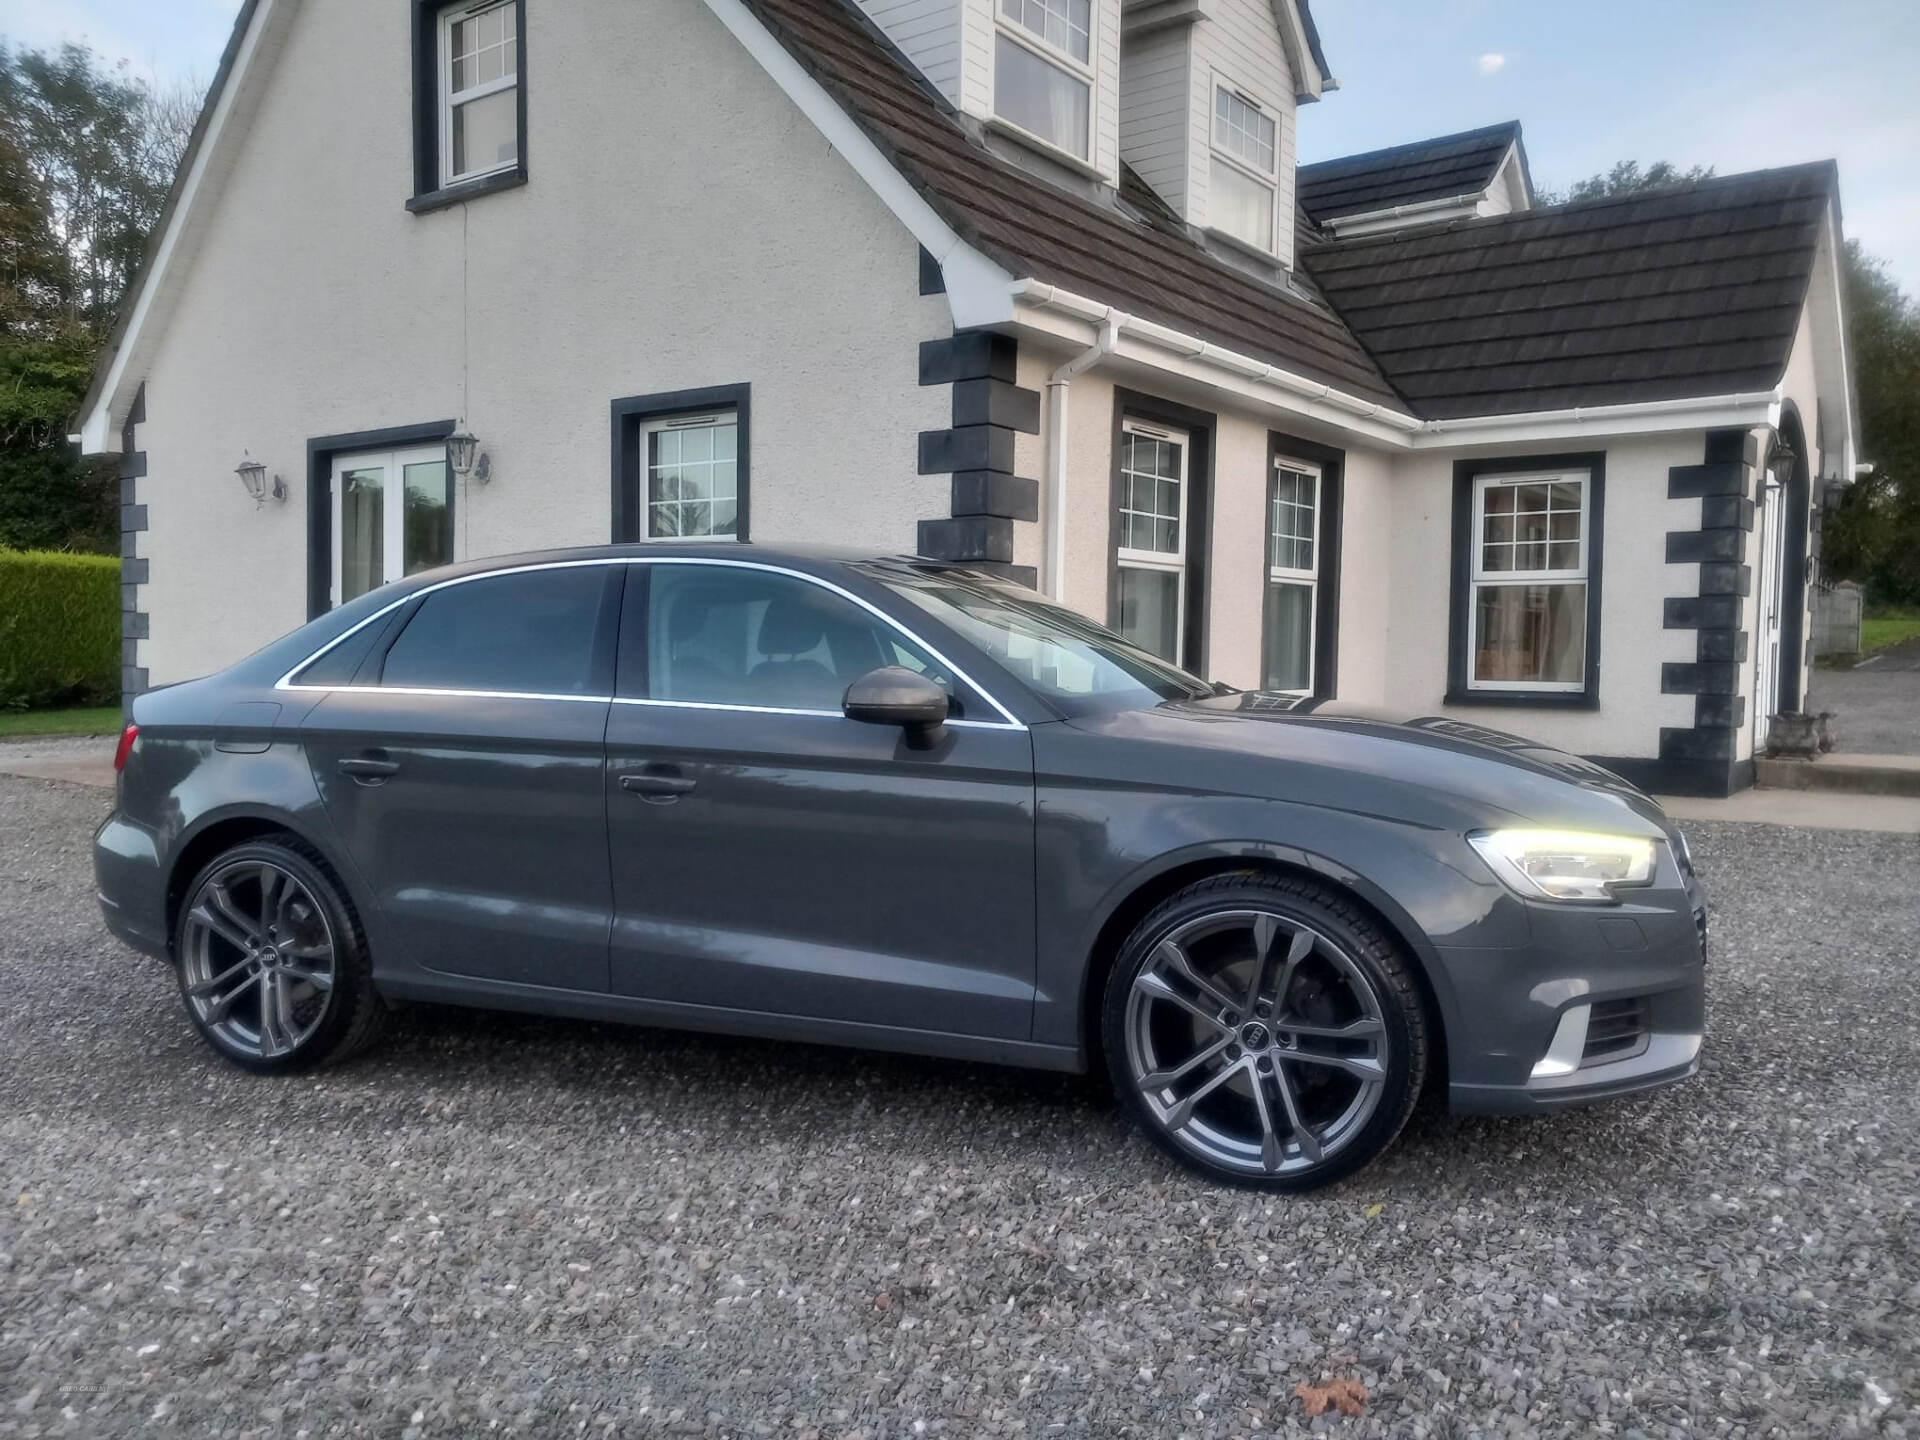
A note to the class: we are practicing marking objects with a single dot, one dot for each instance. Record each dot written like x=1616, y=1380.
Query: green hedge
x=59, y=629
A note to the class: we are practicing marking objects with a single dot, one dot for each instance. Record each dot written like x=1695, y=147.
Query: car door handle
x=369, y=769
x=656, y=787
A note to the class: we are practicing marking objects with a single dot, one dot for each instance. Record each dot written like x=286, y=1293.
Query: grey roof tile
x=1436, y=169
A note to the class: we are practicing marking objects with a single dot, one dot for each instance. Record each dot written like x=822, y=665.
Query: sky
x=1735, y=84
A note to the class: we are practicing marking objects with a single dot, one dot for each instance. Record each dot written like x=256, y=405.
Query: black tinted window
x=532, y=633
x=736, y=636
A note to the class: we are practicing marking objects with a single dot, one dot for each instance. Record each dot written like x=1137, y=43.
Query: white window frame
x=1219, y=153
x=1060, y=59
x=658, y=424
x=1480, y=577
x=445, y=99
x=1309, y=577
x=393, y=507
x=1174, y=562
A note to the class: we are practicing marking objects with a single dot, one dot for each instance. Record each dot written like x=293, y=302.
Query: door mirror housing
x=895, y=695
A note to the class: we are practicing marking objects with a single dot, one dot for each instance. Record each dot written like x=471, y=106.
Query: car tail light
x=127, y=737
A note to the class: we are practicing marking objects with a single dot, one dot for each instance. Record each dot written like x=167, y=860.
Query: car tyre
x=1266, y=1031
x=272, y=960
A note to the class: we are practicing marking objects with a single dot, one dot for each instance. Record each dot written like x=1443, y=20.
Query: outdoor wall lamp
x=460, y=455
x=1780, y=462
x=253, y=475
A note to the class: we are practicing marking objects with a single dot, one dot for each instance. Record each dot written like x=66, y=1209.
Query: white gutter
x=1754, y=407
x=1258, y=379
x=1469, y=199
x=1057, y=384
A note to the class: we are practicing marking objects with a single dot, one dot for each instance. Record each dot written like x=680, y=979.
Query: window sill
x=1525, y=699
x=468, y=190
x=1234, y=242
x=1058, y=155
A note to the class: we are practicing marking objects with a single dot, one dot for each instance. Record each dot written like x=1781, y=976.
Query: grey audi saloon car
x=890, y=803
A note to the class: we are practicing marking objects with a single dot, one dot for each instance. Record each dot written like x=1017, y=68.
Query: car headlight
x=1565, y=864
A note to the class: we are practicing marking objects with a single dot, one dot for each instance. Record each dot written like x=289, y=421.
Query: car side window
x=734, y=635
x=538, y=632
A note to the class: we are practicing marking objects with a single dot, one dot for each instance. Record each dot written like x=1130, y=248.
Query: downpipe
x=1057, y=386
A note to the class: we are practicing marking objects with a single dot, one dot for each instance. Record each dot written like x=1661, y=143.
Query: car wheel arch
x=222, y=830
x=1133, y=901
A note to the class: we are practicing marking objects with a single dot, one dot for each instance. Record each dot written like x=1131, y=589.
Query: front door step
x=1855, y=774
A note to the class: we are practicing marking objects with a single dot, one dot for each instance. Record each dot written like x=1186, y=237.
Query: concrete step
x=1853, y=774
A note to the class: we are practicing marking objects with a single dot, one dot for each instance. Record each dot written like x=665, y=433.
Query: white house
x=1031, y=284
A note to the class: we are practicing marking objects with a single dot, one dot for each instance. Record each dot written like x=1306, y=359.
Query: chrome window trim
x=286, y=681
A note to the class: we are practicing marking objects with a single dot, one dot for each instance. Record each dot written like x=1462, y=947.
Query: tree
x=1627, y=178
x=86, y=158
x=1873, y=533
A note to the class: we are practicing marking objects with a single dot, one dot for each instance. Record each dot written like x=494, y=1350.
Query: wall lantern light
x=1780, y=462
x=461, y=457
x=253, y=475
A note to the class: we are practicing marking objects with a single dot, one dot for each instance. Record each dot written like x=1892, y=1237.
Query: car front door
x=464, y=767
x=770, y=854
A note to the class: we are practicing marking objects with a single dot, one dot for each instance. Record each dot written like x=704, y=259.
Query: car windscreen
x=1080, y=666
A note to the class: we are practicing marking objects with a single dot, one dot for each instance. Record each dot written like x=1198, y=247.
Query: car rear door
x=770, y=854
x=464, y=766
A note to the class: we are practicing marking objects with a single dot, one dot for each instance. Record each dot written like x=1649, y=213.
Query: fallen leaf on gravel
x=883, y=1301
x=1349, y=1397
x=1374, y=1210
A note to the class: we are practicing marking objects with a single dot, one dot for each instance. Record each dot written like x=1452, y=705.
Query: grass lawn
x=1886, y=625
x=99, y=720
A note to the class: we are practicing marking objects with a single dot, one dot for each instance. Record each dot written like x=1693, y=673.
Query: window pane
x=1243, y=130
x=1291, y=521
x=1062, y=23
x=1499, y=500
x=1289, y=638
x=1150, y=479
x=1241, y=206
x=1150, y=610
x=428, y=517
x=1533, y=633
x=527, y=633
x=1565, y=525
x=732, y=636
x=363, y=531
x=486, y=132
x=688, y=467
x=1039, y=97
x=1499, y=529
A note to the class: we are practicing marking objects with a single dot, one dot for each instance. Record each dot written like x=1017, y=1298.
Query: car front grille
x=1616, y=1030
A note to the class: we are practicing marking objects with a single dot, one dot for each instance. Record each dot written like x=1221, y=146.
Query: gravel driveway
x=554, y=1227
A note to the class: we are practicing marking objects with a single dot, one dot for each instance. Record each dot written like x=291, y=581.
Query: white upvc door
x=1772, y=596
x=392, y=517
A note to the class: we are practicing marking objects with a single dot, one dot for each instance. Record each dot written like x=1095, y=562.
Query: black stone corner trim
x=968, y=538
x=932, y=282
x=970, y=355
x=1699, y=759
x=987, y=492
x=135, y=571
x=989, y=410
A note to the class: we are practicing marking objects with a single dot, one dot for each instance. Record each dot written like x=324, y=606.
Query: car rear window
x=537, y=632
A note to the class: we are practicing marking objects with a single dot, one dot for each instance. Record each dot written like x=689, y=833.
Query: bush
x=59, y=629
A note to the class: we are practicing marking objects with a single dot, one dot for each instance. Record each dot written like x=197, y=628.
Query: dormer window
x=1042, y=70
x=1241, y=177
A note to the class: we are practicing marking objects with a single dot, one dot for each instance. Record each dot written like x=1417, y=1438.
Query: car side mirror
x=895, y=695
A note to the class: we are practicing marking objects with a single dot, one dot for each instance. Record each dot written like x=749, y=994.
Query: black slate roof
x=1436, y=169
x=1689, y=291
x=1035, y=229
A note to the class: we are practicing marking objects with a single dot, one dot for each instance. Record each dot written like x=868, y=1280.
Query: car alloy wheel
x=1263, y=1039
x=258, y=960
x=272, y=961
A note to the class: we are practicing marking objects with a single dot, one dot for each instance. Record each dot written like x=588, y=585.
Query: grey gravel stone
x=538, y=1227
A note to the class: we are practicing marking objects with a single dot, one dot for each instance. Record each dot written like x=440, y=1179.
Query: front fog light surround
x=1565, y=864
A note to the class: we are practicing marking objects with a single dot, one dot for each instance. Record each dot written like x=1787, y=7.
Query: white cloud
x=1491, y=64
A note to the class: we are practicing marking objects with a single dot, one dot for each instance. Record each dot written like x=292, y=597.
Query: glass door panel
x=361, y=527
x=428, y=522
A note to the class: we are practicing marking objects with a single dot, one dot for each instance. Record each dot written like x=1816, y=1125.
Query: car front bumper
x=1605, y=1002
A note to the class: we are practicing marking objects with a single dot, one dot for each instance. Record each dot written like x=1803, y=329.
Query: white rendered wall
x=651, y=251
